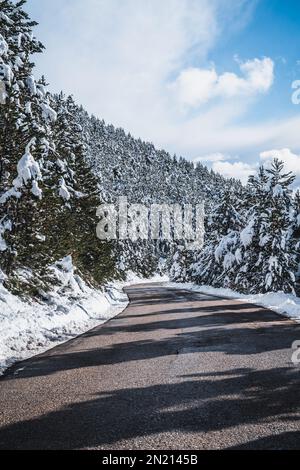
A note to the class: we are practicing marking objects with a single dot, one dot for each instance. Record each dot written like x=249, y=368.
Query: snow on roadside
x=72, y=308
x=133, y=279
x=285, y=304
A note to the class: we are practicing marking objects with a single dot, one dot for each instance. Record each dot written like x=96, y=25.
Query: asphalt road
x=176, y=370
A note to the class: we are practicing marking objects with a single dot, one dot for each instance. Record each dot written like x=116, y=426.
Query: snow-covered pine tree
x=266, y=243
x=25, y=137
x=296, y=214
x=296, y=232
x=80, y=191
x=181, y=264
x=48, y=195
x=218, y=257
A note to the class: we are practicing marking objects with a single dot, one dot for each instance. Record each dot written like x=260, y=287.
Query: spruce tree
x=48, y=195
x=80, y=190
x=218, y=256
x=25, y=137
x=266, y=243
x=296, y=233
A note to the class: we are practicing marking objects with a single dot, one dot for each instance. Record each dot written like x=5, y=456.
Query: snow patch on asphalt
x=285, y=304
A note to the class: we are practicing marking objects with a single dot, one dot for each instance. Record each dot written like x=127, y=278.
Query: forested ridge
x=58, y=163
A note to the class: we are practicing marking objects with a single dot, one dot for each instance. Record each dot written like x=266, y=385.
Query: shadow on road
x=234, y=329
x=202, y=405
x=199, y=403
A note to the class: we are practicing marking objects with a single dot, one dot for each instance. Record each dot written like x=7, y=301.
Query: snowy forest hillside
x=58, y=164
x=252, y=243
x=48, y=195
x=125, y=166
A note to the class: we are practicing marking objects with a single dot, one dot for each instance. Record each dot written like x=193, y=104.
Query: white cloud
x=196, y=86
x=116, y=56
x=219, y=127
x=118, y=59
x=291, y=161
x=238, y=170
x=213, y=157
x=259, y=74
x=242, y=170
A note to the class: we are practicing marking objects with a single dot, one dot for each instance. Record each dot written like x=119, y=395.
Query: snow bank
x=29, y=328
x=133, y=279
x=285, y=304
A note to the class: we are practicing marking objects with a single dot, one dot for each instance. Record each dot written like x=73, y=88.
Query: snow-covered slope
x=72, y=307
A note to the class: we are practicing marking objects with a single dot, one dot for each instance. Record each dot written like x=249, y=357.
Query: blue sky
x=208, y=79
x=273, y=31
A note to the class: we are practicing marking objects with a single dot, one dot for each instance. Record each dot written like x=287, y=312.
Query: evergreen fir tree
x=79, y=188
x=25, y=138
x=296, y=233
x=219, y=253
x=266, y=243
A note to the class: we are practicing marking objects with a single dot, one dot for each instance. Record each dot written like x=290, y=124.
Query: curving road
x=176, y=370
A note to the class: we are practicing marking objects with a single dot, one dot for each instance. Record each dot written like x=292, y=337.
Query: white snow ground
x=285, y=304
x=72, y=308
